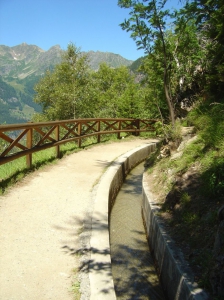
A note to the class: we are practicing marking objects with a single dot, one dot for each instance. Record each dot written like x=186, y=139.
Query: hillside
x=22, y=66
x=186, y=178
x=113, y=60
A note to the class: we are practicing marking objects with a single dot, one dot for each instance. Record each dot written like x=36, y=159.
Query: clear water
x=132, y=265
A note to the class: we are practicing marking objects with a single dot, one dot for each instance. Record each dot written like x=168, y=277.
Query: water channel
x=132, y=265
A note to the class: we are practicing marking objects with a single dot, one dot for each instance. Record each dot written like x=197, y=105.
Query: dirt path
x=41, y=220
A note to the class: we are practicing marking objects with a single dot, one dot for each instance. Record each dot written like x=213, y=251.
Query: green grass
x=76, y=285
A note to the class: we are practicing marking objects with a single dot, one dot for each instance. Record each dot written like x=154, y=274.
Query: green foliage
x=147, y=24
x=213, y=178
x=185, y=199
x=73, y=91
x=208, y=17
x=208, y=118
x=61, y=91
x=6, y=91
x=174, y=54
x=153, y=86
x=117, y=94
x=16, y=105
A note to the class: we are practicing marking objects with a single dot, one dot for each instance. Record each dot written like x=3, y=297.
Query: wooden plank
x=41, y=132
x=70, y=130
x=47, y=136
x=11, y=141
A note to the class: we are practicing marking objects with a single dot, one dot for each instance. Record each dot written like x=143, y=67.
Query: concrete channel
x=133, y=268
x=174, y=274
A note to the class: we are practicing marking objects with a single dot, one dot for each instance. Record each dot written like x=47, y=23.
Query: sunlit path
x=40, y=222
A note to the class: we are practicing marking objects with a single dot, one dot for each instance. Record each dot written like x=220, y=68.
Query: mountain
x=134, y=67
x=22, y=66
x=113, y=60
x=23, y=60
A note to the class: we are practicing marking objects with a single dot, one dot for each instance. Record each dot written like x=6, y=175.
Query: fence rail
x=17, y=140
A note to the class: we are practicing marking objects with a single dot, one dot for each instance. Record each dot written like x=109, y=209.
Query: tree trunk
x=165, y=79
x=168, y=99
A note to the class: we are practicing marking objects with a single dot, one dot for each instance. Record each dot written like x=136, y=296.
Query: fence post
x=57, y=139
x=137, y=125
x=79, y=133
x=98, y=129
x=29, y=137
x=119, y=128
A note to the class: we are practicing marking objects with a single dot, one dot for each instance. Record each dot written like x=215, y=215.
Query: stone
x=165, y=152
x=186, y=142
x=187, y=130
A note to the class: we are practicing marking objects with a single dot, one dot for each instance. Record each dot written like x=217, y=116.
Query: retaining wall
x=175, y=274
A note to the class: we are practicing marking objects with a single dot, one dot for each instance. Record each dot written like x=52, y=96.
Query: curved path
x=43, y=222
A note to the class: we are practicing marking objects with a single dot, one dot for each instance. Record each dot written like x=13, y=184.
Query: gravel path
x=45, y=220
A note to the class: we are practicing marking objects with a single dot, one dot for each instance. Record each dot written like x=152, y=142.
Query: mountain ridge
x=22, y=58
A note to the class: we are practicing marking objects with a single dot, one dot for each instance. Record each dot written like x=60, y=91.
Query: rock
x=176, y=155
x=186, y=142
x=187, y=130
x=165, y=152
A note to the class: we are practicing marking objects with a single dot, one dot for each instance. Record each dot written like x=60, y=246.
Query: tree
x=148, y=24
x=63, y=91
x=209, y=17
x=116, y=93
x=174, y=53
x=187, y=61
x=72, y=90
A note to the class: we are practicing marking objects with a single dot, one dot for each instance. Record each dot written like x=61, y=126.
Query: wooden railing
x=18, y=140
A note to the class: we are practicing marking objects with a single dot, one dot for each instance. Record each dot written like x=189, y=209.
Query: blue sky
x=89, y=24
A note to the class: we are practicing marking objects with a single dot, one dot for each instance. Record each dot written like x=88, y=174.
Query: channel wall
x=175, y=275
x=174, y=272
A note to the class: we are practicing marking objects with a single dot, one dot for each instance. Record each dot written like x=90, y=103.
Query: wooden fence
x=18, y=140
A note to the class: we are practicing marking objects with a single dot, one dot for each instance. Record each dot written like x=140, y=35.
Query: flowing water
x=132, y=265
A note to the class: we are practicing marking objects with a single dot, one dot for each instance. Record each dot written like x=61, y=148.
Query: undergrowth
x=193, y=191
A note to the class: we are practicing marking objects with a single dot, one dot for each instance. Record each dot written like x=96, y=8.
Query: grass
x=76, y=285
x=191, y=191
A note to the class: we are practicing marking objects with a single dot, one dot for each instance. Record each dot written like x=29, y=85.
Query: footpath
x=42, y=220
